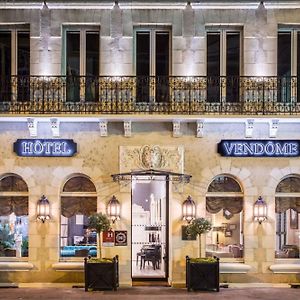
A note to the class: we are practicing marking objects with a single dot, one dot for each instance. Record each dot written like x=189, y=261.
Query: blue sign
x=259, y=148
x=45, y=147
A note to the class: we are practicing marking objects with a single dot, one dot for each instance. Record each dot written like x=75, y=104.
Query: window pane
x=73, y=66
x=287, y=234
x=290, y=184
x=142, y=65
x=13, y=184
x=162, y=66
x=5, y=65
x=226, y=214
x=23, y=53
x=225, y=240
x=284, y=66
x=79, y=184
x=232, y=66
x=92, y=66
x=224, y=184
x=14, y=236
x=23, y=68
x=143, y=53
x=213, y=66
x=284, y=54
x=76, y=238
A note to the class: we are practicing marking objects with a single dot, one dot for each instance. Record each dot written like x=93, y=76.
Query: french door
x=149, y=248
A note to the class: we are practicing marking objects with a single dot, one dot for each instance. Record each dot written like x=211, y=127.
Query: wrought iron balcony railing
x=166, y=95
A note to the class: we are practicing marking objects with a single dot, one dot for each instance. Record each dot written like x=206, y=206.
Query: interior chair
x=153, y=255
x=237, y=253
x=292, y=251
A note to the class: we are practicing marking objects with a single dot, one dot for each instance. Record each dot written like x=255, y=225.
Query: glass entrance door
x=149, y=250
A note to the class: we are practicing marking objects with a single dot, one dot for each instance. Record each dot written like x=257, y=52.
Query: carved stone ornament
x=151, y=157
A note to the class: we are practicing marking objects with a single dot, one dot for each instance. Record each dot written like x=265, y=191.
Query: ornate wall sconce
x=43, y=209
x=260, y=210
x=113, y=209
x=188, y=209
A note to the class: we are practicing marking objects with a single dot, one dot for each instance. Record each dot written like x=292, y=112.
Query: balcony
x=199, y=95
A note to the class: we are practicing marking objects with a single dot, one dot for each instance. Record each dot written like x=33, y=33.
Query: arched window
x=13, y=216
x=78, y=202
x=224, y=207
x=287, y=208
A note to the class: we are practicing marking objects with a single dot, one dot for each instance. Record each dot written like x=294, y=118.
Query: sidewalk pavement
x=150, y=293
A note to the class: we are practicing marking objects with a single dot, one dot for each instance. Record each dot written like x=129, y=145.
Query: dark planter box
x=202, y=275
x=101, y=276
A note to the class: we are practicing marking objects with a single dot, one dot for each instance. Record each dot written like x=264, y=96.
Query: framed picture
x=185, y=236
x=228, y=233
x=293, y=219
x=232, y=226
x=227, y=214
x=121, y=238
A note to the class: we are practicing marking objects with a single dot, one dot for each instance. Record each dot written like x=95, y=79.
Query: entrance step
x=295, y=285
x=150, y=283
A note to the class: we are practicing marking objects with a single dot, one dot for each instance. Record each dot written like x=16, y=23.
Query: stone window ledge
x=230, y=268
x=285, y=268
x=68, y=266
x=15, y=266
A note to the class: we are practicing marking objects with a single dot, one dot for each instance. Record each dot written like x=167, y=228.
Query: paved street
x=149, y=293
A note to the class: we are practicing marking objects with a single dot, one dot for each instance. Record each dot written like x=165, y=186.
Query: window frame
x=82, y=29
x=24, y=194
x=73, y=194
x=14, y=29
x=293, y=30
x=284, y=223
x=223, y=30
x=152, y=29
x=242, y=213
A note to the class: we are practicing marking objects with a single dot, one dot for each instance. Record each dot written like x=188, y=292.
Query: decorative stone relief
x=200, y=128
x=54, y=122
x=151, y=157
x=127, y=128
x=103, y=128
x=249, y=125
x=32, y=126
x=176, y=129
x=273, y=128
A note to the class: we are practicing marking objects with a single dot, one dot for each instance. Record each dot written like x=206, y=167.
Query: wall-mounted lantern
x=113, y=209
x=188, y=209
x=43, y=209
x=260, y=210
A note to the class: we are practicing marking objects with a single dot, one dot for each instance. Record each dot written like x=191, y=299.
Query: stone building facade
x=105, y=138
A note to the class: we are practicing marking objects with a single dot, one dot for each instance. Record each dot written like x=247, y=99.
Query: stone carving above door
x=151, y=157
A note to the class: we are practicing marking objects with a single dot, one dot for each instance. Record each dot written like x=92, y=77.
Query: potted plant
x=201, y=273
x=24, y=247
x=100, y=273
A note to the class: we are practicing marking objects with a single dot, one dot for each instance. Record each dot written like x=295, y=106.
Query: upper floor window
x=287, y=208
x=14, y=60
x=288, y=63
x=82, y=63
x=13, y=217
x=224, y=207
x=78, y=202
x=223, y=65
x=152, y=64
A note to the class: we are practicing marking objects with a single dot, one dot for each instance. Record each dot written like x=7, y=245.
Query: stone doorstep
x=80, y=285
x=9, y=285
x=295, y=285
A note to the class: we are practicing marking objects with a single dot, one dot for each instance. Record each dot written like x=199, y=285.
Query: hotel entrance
x=149, y=247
